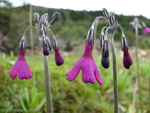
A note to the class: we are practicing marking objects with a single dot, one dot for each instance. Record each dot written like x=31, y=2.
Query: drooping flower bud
x=106, y=13
x=127, y=59
x=90, y=36
x=46, y=45
x=22, y=47
x=59, y=60
x=36, y=17
x=42, y=21
x=112, y=19
x=105, y=54
x=124, y=43
x=55, y=17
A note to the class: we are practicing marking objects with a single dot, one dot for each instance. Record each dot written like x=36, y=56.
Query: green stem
x=116, y=95
x=137, y=62
x=47, y=85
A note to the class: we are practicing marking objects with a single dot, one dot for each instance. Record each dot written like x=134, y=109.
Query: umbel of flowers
x=43, y=26
x=87, y=64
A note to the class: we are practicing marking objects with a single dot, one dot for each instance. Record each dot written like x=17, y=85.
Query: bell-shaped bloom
x=58, y=57
x=146, y=30
x=88, y=66
x=127, y=60
x=21, y=67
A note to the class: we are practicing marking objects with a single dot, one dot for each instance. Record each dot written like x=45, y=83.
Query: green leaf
x=22, y=101
x=39, y=106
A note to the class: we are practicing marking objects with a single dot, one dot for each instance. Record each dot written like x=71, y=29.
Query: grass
x=75, y=96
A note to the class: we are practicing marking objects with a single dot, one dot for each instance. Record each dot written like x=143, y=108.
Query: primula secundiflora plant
x=42, y=24
x=89, y=68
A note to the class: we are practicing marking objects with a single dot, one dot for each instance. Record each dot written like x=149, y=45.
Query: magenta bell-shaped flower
x=21, y=66
x=58, y=57
x=146, y=30
x=89, y=68
x=127, y=60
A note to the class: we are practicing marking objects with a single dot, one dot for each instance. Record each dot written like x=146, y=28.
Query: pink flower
x=146, y=30
x=21, y=67
x=58, y=57
x=127, y=60
x=89, y=68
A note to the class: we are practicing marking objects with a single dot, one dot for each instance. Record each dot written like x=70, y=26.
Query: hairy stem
x=137, y=64
x=47, y=86
x=116, y=95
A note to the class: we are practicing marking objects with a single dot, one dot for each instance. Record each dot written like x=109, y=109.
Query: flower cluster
x=111, y=25
x=42, y=25
x=86, y=63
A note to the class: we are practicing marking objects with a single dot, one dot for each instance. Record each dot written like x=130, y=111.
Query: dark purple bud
x=55, y=17
x=124, y=43
x=105, y=13
x=127, y=60
x=36, y=17
x=112, y=19
x=105, y=54
x=22, y=47
x=58, y=57
x=46, y=45
x=90, y=36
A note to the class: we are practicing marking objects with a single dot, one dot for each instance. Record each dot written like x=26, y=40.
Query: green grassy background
x=75, y=96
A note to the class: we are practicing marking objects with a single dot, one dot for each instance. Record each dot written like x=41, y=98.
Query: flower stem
x=47, y=85
x=116, y=95
x=137, y=64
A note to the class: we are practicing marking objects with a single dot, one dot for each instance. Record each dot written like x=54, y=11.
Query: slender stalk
x=47, y=85
x=137, y=64
x=116, y=95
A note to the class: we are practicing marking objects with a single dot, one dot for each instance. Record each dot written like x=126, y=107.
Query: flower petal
x=88, y=71
x=72, y=74
x=97, y=75
x=24, y=71
x=14, y=69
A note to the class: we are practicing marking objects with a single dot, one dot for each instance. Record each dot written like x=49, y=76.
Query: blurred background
x=70, y=31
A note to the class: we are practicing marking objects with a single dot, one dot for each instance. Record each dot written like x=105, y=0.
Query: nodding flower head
x=87, y=64
x=105, y=54
x=21, y=67
x=55, y=17
x=127, y=60
x=58, y=56
x=46, y=45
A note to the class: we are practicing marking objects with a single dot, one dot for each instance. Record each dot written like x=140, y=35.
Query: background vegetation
x=75, y=96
